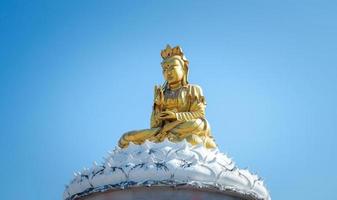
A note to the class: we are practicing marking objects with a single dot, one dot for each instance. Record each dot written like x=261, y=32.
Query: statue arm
x=157, y=106
x=197, y=107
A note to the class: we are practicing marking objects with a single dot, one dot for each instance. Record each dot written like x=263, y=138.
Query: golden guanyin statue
x=178, y=109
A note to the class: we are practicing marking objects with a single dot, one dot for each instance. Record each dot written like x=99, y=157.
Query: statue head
x=175, y=65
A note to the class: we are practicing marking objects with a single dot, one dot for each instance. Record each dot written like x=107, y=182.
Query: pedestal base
x=165, y=193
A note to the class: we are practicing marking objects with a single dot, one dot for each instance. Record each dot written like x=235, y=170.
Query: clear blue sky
x=75, y=75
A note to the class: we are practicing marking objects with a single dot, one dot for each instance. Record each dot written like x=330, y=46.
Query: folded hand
x=166, y=115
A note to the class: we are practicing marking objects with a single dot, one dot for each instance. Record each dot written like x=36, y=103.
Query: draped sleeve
x=197, y=104
x=154, y=123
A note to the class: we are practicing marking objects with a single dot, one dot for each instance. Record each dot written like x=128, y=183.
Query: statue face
x=173, y=70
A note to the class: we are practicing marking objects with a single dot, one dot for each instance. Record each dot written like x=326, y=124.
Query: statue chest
x=175, y=100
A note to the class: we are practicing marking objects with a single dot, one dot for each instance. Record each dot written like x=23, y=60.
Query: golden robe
x=188, y=102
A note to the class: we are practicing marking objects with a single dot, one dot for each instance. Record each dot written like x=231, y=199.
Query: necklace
x=172, y=94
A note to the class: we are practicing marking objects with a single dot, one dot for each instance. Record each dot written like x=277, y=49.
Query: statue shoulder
x=196, y=93
x=195, y=89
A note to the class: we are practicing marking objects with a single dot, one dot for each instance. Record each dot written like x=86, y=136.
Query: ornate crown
x=169, y=52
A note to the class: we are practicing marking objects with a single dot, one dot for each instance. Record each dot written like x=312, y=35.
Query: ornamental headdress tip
x=169, y=52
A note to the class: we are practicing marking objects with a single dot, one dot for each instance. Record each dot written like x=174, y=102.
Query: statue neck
x=175, y=85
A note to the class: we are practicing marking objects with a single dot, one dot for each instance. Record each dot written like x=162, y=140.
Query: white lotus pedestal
x=166, y=171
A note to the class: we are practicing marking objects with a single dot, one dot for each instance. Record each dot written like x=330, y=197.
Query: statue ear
x=185, y=78
x=184, y=81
